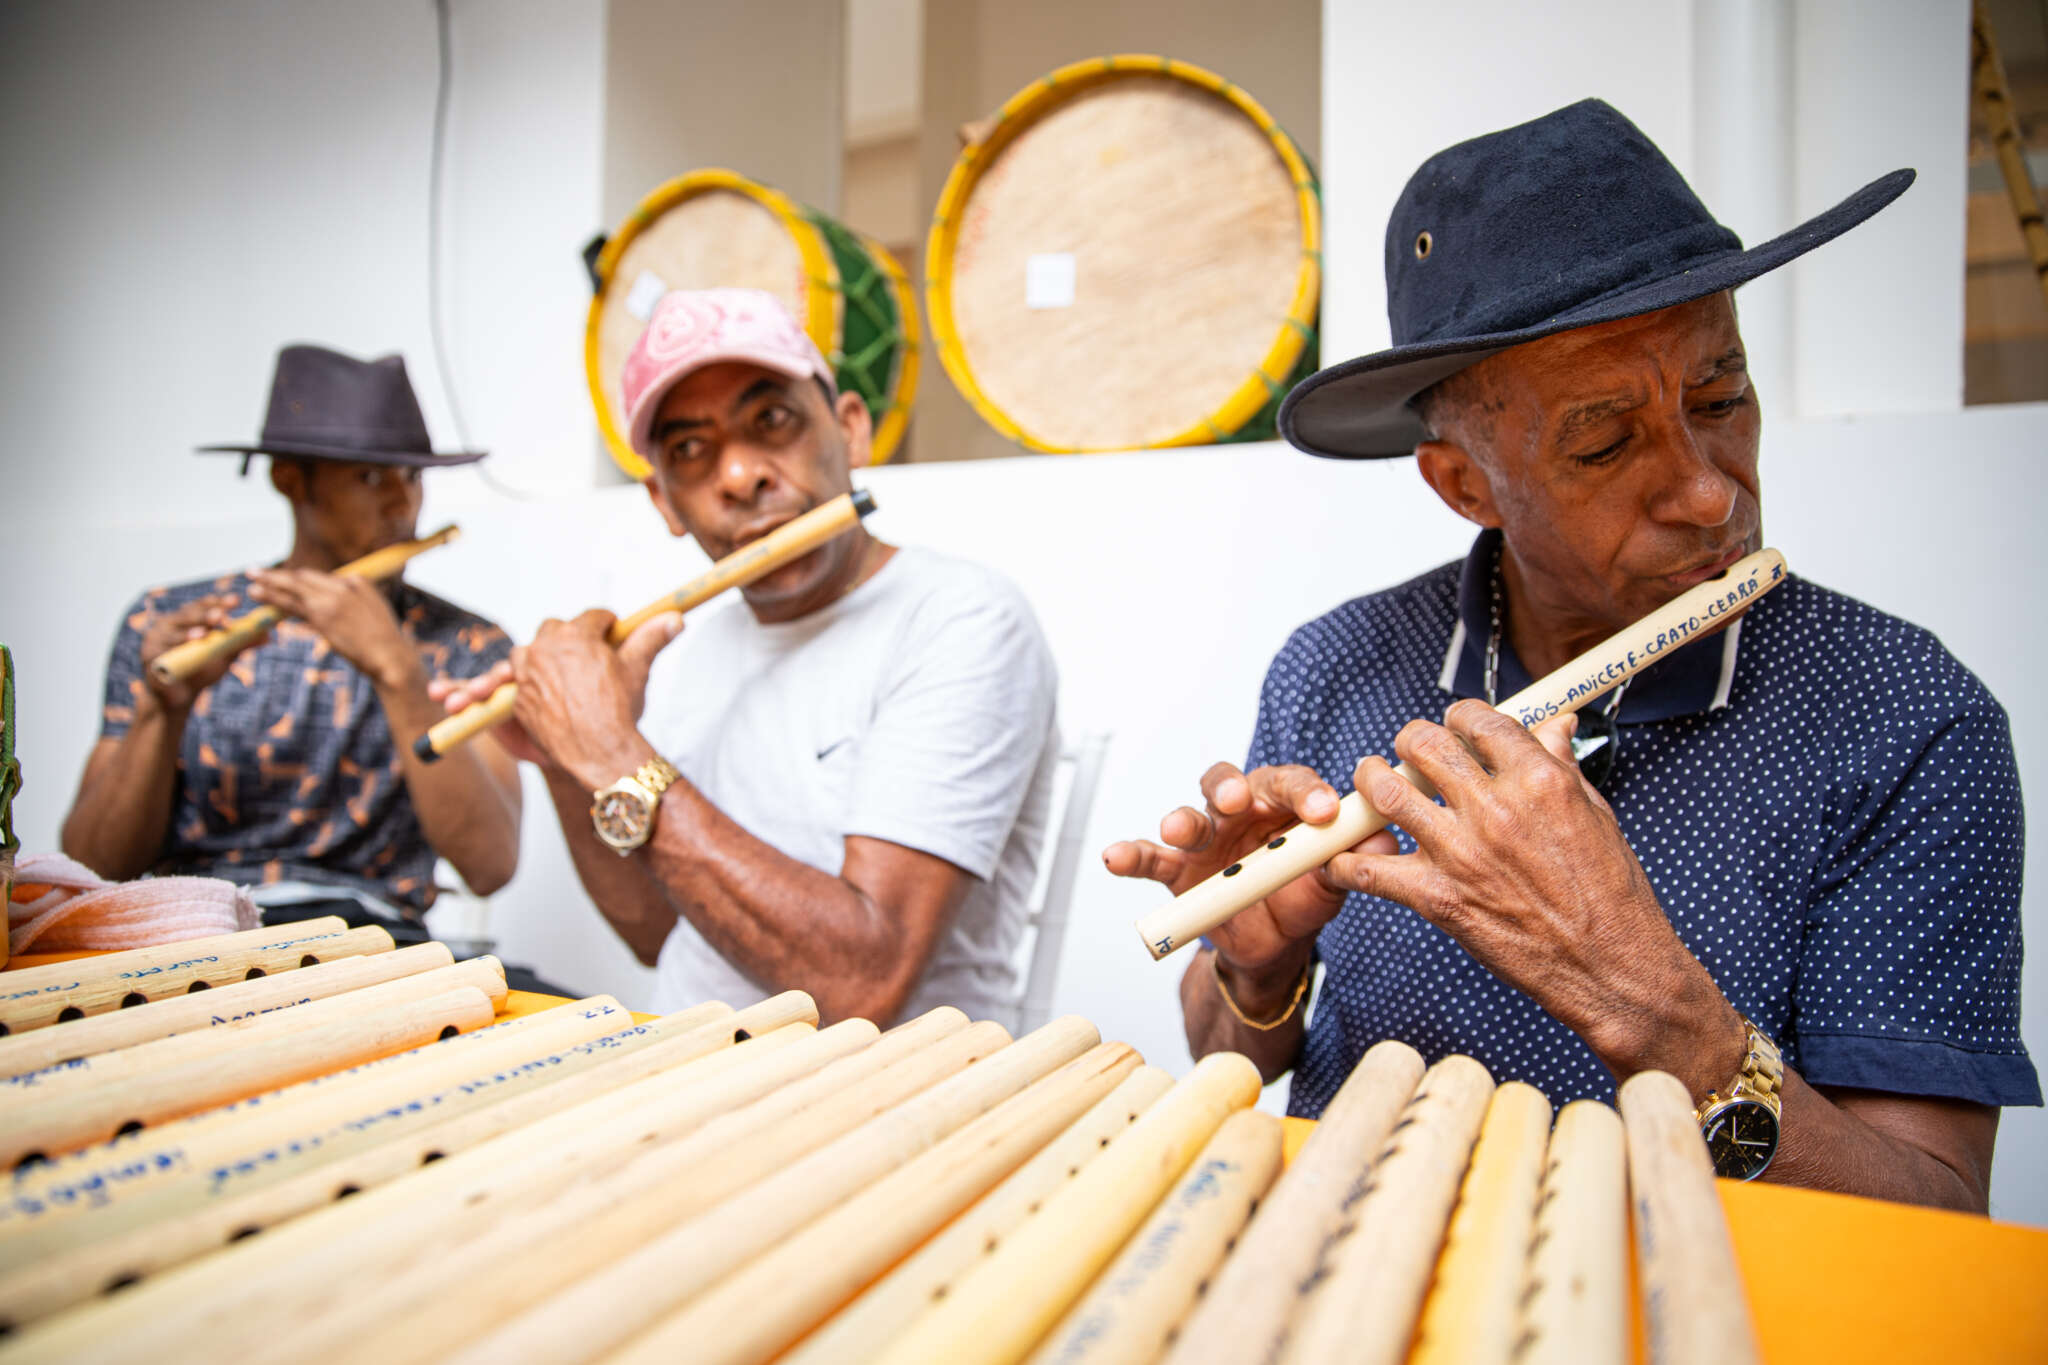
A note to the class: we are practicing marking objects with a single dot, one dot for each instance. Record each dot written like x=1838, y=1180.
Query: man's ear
x=1460, y=480
x=288, y=477
x=668, y=513
x=857, y=427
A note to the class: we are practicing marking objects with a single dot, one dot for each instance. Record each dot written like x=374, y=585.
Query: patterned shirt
x=287, y=770
x=1825, y=801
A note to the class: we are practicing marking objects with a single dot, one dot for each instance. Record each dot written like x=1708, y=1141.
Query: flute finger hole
x=132, y=999
x=244, y=1233
x=70, y=1012
x=252, y=974
x=309, y=960
x=449, y=1031
x=131, y=1126
x=740, y=1035
x=121, y=1282
x=345, y=1191
x=1233, y=869
x=429, y=1158
x=198, y=986
x=28, y=1159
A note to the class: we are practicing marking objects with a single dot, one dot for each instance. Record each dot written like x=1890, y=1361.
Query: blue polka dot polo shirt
x=1825, y=801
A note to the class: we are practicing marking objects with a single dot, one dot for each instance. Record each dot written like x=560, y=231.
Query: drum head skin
x=1129, y=259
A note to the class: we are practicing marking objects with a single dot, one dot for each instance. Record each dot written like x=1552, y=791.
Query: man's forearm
x=122, y=814
x=1830, y=1146
x=1693, y=1033
x=778, y=919
x=623, y=889
x=774, y=918
x=468, y=812
x=1212, y=1027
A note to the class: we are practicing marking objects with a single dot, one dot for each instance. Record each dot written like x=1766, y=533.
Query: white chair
x=1081, y=761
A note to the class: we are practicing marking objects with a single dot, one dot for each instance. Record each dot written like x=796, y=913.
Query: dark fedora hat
x=328, y=406
x=1569, y=220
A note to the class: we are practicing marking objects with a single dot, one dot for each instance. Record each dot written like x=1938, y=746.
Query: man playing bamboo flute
x=838, y=784
x=288, y=766
x=1785, y=863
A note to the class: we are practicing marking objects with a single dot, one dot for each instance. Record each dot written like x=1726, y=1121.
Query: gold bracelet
x=1300, y=989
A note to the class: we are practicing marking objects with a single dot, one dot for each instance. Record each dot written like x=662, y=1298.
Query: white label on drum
x=645, y=293
x=1049, y=280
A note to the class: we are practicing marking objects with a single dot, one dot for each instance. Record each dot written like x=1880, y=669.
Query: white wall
x=884, y=39
x=1165, y=580
x=1491, y=64
x=194, y=184
x=1873, y=87
x=1879, y=314
x=756, y=87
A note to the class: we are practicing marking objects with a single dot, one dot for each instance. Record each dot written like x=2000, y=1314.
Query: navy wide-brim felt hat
x=1567, y=221
x=328, y=406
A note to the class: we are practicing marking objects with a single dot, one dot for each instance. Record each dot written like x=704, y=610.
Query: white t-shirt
x=917, y=709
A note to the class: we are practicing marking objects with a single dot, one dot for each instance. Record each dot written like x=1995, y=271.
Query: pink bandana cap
x=692, y=328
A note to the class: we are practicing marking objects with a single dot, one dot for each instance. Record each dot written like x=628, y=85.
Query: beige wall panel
x=880, y=192
x=755, y=87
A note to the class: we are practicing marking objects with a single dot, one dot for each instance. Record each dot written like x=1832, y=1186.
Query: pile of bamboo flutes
x=343, y=1158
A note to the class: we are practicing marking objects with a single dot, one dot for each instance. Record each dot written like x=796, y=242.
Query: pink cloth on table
x=82, y=911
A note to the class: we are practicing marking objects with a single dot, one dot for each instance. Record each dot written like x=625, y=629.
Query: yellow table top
x=1834, y=1277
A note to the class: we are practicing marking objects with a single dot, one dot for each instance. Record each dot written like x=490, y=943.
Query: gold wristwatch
x=623, y=813
x=1741, y=1127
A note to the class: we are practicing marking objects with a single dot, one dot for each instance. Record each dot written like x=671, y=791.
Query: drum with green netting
x=716, y=228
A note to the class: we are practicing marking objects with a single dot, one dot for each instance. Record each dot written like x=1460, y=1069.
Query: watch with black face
x=1741, y=1127
x=623, y=813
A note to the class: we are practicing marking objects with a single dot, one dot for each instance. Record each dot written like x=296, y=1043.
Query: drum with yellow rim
x=716, y=228
x=1130, y=255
